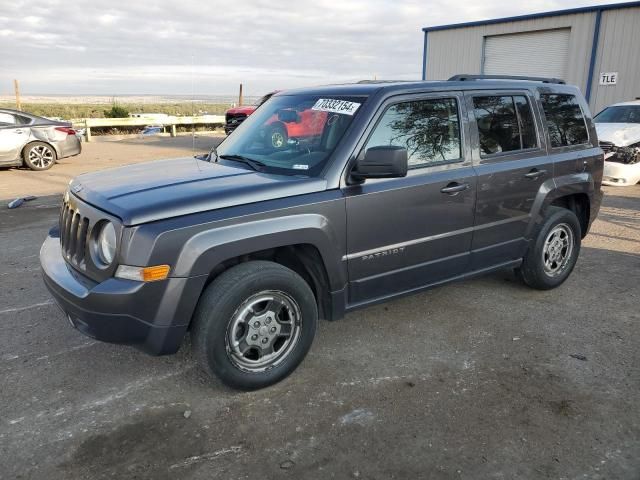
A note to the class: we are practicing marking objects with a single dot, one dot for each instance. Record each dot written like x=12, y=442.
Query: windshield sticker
x=336, y=106
x=301, y=167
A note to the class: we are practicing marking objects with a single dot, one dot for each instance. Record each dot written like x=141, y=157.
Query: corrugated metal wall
x=543, y=53
x=459, y=50
x=618, y=51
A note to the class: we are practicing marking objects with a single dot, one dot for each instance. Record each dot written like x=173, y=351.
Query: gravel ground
x=99, y=155
x=481, y=379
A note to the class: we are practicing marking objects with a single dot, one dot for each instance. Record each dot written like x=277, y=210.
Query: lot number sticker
x=336, y=106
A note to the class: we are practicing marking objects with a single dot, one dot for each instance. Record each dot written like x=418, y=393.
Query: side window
x=565, y=120
x=22, y=120
x=505, y=124
x=526, y=122
x=429, y=130
x=7, y=119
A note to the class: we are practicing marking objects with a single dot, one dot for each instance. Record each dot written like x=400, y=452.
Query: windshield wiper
x=255, y=164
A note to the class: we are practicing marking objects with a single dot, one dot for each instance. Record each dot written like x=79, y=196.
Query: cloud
x=107, y=19
x=210, y=47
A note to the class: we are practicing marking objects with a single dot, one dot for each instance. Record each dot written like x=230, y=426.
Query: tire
x=39, y=156
x=554, y=252
x=277, y=136
x=240, y=310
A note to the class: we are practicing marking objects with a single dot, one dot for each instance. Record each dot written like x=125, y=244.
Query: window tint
x=22, y=120
x=564, y=120
x=526, y=122
x=428, y=129
x=505, y=124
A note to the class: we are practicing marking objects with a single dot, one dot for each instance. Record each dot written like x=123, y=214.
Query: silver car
x=33, y=141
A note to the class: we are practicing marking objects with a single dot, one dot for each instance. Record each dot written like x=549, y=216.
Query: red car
x=304, y=124
x=235, y=116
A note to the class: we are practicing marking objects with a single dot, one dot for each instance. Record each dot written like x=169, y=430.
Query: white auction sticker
x=336, y=106
x=300, y=167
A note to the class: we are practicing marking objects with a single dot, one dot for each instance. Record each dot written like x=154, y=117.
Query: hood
x=169, y=188
x=620, y=134
x=248, y=109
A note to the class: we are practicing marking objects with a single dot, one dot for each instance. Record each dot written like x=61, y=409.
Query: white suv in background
x=618, y=129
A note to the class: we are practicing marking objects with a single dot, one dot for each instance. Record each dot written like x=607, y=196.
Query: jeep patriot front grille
x=74, y=230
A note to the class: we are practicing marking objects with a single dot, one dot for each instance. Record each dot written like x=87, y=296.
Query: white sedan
x=618, y=129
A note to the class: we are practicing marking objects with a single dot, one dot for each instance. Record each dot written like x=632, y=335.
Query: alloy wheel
x=277, y=140
x=41, y=156
x=557, y=249
x=263, y=331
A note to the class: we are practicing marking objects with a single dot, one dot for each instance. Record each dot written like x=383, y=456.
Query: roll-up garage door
x=543, y=53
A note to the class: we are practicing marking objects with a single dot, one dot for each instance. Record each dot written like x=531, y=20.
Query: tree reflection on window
x=564, y=120
x=505, y=124
x=428, y=129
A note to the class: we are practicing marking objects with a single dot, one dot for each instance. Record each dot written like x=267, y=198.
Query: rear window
x=505, y=124
x=565, y=120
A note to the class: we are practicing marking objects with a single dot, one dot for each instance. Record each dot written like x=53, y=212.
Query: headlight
x=106, y=243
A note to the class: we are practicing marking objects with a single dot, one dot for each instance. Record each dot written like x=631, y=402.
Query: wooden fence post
x=16, y=88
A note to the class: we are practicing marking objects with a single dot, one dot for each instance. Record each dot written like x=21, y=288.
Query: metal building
x=596, y=48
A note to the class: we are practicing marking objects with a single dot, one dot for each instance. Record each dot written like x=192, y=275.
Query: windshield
x=621, y=114
x=291, y=134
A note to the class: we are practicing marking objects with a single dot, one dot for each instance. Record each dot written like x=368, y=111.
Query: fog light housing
x=143, y=274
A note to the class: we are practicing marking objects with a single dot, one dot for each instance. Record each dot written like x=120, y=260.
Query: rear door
x=405, y=233
x=13, y=136
x=511, y=163
x=572, y=145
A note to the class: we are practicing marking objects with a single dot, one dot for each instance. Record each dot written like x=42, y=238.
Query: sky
x=210, y=46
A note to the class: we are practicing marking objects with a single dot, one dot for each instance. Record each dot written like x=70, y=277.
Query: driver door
x=406, y=233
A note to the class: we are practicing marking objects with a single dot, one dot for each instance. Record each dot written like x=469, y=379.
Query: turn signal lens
x=143, y=274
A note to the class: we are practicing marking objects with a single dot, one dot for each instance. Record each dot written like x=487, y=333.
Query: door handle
x=18, y=131
x=535, y=173
x=454, y=188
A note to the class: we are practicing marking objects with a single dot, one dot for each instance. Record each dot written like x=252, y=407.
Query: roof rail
x=465, y=77
x=384, y=81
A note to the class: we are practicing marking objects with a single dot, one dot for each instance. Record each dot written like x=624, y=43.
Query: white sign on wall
x=608, y=78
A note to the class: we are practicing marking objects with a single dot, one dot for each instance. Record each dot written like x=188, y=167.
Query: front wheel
x=551, y=258
x=277, y=136
x=254, y=324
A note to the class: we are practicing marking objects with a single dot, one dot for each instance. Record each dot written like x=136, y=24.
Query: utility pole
x=16, y=87
x=240, y=97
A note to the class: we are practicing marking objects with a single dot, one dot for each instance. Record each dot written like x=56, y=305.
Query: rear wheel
x=554, y=253
x=254, y=324
x=39, y=156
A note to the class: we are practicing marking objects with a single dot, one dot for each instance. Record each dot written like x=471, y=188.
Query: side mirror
x=288, y=116
x=385, y=161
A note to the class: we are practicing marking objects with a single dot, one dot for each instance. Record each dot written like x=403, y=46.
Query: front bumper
x=230, y=128
x=621, y=174
x=150, y=316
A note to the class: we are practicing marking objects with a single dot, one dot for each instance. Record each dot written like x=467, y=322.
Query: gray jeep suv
x=380, y=190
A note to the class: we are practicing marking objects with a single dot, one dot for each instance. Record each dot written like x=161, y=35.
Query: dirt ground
x=100, y=155
x=484, y=379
